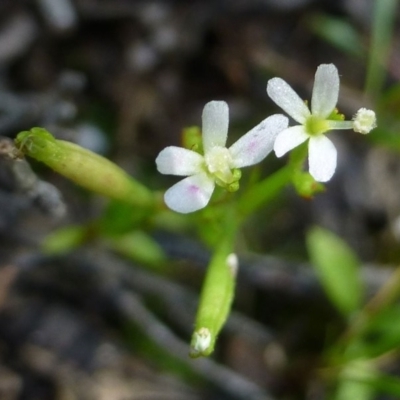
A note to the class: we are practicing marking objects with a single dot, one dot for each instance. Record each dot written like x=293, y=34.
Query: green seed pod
x=83, y=167
x=216, y=299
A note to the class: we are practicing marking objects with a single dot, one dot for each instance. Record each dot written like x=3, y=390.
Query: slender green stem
x=264, y=191
x=386, y=296
x=340, y=124
x=384, y=16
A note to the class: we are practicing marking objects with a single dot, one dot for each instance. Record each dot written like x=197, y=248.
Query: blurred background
x=123, y=78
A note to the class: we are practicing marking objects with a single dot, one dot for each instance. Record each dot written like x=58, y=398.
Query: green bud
x=237, y=174
x=335, y=115
x=233, y=187
x=83, y=167
x=192, y=140
x=305, y=185
x=233, y=184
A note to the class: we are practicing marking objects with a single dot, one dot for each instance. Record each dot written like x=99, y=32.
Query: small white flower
x=315, y=122
x=219, y=164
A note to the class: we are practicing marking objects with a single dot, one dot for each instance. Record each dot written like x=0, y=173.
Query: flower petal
x=179, y=161
x=287, y=99
x=289, y=138
x=326, y=90
x=215, y=124
x=256, y=144
x=322, y=157
x=190, y=194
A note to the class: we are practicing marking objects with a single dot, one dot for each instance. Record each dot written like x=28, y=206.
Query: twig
x=47, y=197
x=227, y=380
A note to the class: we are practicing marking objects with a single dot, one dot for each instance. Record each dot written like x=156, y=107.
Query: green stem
x=264, y=191
x=387, y=295
x=340, y=125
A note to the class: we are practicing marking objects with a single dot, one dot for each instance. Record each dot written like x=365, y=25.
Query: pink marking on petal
x=252, y=145
x=193, y=189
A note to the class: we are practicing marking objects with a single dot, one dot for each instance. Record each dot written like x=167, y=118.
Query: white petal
x=289, y=138
x=190, y=194
x=286, y=98
x=215, y=124
x=256, y=144
x=322, y=156
x=326, y=90
x=179, y=161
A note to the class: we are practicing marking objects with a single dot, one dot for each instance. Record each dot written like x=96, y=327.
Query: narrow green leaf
x=64, y=239
x=140, y=247
x=380, y=335
x=353, y=381
x=384, y=17
x=386, y=384
x=378, y=382
x=337, y=268
x=339, y=33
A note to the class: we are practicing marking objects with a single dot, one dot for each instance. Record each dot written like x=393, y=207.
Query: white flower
x=219, y=164
x=313, y=124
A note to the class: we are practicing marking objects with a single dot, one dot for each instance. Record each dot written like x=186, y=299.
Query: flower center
x=218, y=162
x=315, y=126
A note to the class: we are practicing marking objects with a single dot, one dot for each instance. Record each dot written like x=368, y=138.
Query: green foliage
x=127, y=223
x=383, y=383
x=383, y=22
x=119, y=217
x=140, y=247
x=387, y=132
x=361, y=380
x=340, y=33
x=353, y=362
x=337, y=268
x=64, y=239
x=380, y=335
x=353, y=382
